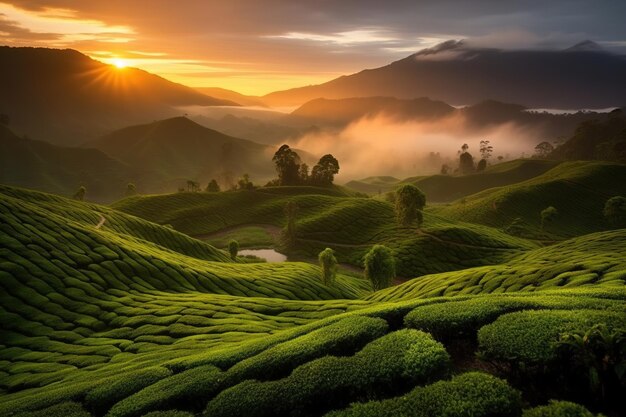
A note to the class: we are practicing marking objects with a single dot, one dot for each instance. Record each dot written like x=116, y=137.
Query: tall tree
x=380, y=267
x=543, y=150
x=80, y=194
x=244, y=183
x=466, y=160
x=328, y=264
x=287, y=164
x=233, y=249
x=212, y=187
x=291, y=211
x=304, y=173
x=485, y=149
x=409, y=203
x=325, y=170
x=615, y=211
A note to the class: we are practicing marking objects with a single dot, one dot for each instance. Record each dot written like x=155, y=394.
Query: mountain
x=180, y=149
x=603, y=139
x=582, y=77
x=344, y=111
x=65, y=97
x=224, y=94
x=62, y=170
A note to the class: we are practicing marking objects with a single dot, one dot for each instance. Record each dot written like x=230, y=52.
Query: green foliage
x=471, y=394
x=390, y=362
x=615, y=211
x=379, y=267
x=287, y=164
x=66, y=409
x=233, y=249
x=80, y=194
x=599, y=353
x=548, y=215
x=291, y=211
x=324, y=171
x=213, y=187
x=328, y=264
x=409, y=203
x=558, y=409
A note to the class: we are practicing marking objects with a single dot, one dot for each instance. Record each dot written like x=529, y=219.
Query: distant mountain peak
x=585, y=46
x=449, y=45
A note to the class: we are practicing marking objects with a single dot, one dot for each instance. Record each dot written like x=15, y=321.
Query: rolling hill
x=132, y=319
x=62, y=170
x=460, y=74
x=446, y=188
x=66, y=98
x=180, y=149
x=578, y=190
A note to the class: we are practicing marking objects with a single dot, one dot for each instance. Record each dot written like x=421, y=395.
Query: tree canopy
x=409, y=203
x=380, y=267
x=287, y=164
x=325, y=170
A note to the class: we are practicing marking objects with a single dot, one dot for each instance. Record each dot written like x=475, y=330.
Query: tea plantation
x=134, y=318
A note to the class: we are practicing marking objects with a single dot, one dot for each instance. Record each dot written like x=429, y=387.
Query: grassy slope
x=578, y=190
x=84, y=308
x=445, y=188
x=328, y=218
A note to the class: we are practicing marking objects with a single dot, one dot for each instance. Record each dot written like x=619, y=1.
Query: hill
x=603, y=139
x=233, y=96
x=349, y=225
x=40, y=165
x=578, y=190
x=460, y=74
x=180, y=149
x=132, y=318
x=446, y=188
x=64, y=97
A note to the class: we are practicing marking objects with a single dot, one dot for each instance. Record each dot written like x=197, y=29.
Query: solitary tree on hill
x=409, y=203
x=244, y=183
x=615, y=211
x=548, y=215
x=543, y=150
x=466, y=160
x=291, y=211
x=131, y=189
x=380, y=267
x=287, y=165
x=328, y=263
x=213, y=187
x=80, y=194
x=233, y=249
x=325, y=170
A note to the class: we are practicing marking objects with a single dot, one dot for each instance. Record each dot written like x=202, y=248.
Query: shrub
x=66, y=409
x=233, y=248
x=388, y=364
x=380, y=267
x=103, y=397
x=340, y=338
x=615, y=211
x=558, y=409
x=181, y=390
x=472, y=394
x=328, y=263
x=409, y=203
x=548, y=215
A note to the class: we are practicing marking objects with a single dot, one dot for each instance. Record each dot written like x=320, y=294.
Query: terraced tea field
x=134, y=318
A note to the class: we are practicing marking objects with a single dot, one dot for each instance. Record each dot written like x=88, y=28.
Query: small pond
x=270, y=255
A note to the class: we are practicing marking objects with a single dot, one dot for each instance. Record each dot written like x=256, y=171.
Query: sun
x=120, y=63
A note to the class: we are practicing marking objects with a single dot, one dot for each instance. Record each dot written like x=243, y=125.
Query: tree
x=213, y=187
x=548, y=215
x=304, y=173
x=324, y=171
x=482, y=165
x=380, y=267
x=466, y=160
x=485, y=149
x=615, y=211
x=193, y=186
x=445, y=169
x=233, y=248
x=543, y=150
x=291, y=210
x=328, y=263
x=80, y=194
x=131, y=189
x=287, y=165
x=5, y=120
x=409, y=203
x=244, y=183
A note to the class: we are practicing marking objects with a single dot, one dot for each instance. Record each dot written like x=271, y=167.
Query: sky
x=259, y=46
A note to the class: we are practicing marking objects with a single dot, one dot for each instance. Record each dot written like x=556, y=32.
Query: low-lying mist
x=381, y=145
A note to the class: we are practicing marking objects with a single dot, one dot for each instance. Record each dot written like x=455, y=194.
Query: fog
x=383, y=146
